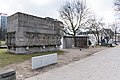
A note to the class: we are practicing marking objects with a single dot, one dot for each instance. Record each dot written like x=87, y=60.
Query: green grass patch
x=7, y=58
x=2, y=43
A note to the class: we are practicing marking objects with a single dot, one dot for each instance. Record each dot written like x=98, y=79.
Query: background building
x=3, y=26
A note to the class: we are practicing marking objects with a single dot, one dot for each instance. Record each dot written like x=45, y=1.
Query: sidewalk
x=102, y=66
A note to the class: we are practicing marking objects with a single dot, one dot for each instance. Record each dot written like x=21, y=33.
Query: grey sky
x=44, y=8
x=103, y=8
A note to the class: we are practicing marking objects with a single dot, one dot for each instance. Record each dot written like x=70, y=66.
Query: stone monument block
x=29, y=34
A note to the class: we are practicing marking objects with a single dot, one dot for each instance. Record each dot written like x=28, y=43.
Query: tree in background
x=115, y=27
x=74, y=15
x=94, y=27
x=117, y=6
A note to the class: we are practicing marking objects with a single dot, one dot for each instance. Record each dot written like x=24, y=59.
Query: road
x=103, y=65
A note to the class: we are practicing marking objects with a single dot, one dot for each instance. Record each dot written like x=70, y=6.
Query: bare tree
x=115, y=27
x=117, y=5
x=95, y=26
x=74, y=15
x=117, y=8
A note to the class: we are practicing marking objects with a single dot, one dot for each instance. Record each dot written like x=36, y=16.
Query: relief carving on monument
x=42, y=39
x=11, y=38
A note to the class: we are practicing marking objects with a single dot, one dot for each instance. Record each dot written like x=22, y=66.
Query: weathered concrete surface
x=29, y=34
x=7, y=74
x=45, y=60
x=102, y=66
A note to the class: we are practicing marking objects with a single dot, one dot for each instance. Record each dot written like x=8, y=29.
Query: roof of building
x=109, y=31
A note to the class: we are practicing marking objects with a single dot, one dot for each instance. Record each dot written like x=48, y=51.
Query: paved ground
x=102, y=66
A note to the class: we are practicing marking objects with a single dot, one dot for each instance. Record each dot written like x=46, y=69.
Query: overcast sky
x=44, y=8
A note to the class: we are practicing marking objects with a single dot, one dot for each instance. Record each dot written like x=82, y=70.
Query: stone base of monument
x=41, y=61
x=7, y=74
x=28, y=50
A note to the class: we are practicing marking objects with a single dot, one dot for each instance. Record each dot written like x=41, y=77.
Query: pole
x=115, y=37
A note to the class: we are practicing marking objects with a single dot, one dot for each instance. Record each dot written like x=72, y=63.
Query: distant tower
x=3, y=25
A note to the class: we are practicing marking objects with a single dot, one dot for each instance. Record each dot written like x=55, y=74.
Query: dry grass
x=7, y=58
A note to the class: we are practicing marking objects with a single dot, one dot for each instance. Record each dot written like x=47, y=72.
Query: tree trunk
x=75, y=43
x=115, y=38
x=98, y=38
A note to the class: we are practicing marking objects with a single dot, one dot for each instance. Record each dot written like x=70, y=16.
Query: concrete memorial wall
x=29, y=34
x=44, y=60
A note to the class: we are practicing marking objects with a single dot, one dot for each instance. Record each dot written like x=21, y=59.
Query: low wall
x=7, y=74
x=41, y=61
